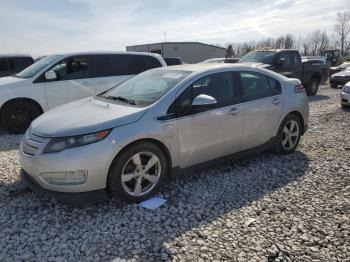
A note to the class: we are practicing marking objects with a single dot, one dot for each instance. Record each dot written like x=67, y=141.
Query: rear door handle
x=233, y=111
x=275, y=101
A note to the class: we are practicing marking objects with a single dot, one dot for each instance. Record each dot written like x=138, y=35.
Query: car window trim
x=235, y=101
x=41, y=78
x=255, y=97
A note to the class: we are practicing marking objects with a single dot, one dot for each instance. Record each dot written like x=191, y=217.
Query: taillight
x=299, y=89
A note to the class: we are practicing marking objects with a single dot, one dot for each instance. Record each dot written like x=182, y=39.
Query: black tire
x=114, y=181
x=312, y=87
x=279, y=147
x=334, y=86
x=17, y=116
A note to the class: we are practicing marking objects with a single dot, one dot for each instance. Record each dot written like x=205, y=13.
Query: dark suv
x=12, y=64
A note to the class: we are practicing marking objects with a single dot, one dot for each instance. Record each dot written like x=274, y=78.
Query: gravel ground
x=263, y=208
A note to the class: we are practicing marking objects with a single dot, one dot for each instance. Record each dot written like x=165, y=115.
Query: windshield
x=147, y=87
x=37, y=67
x=265, y=57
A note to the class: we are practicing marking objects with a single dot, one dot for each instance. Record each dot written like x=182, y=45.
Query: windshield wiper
x=119, y=98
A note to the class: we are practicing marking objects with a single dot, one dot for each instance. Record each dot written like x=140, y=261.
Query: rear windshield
x=265, y=57
x=37, y=67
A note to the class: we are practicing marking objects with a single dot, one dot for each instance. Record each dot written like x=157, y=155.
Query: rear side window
x=117, y=65
x=4, y=67
x=72, y=68
x=256, y=86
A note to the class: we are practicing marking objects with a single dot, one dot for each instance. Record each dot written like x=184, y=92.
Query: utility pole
x=165, y=37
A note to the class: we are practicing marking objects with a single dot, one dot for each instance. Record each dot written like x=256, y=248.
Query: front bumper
x=345, y=99
x=71, y=198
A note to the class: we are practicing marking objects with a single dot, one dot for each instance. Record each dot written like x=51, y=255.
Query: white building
x=190, y=52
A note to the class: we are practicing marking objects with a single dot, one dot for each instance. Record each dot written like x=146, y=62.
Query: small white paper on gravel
x=152, y=203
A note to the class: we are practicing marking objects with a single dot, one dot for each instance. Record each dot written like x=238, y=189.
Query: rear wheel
x=312, y=87
x=17, y=116
x=334, y=86
x=288, y=135
x=138, y=172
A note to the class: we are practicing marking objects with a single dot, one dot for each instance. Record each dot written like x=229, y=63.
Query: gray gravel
x=262, y=208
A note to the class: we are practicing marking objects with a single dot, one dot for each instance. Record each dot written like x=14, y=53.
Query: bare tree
x=342, y=32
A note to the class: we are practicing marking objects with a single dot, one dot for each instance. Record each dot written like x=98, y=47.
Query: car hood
x=84, y=116
x=342, y=73
x=10, y=80
x=256, y=64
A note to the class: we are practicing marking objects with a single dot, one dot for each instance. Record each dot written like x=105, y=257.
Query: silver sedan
x=129, y=140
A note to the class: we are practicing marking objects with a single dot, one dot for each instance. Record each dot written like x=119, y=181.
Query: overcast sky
x=42, y=27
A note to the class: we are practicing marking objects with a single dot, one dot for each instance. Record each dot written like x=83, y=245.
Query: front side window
x=72, y=68
x=219, y=86
x=146, y=88
x=256, y=85
x=38, y=66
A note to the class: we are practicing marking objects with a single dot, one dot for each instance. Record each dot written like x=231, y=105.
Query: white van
x=59, y=79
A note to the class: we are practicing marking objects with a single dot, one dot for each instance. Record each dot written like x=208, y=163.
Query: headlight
x=62, y=143
x=346, y=89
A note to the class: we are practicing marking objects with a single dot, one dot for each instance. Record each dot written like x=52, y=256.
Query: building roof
x=164, y=43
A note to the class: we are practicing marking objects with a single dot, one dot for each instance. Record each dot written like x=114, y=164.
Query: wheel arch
x=300, y=117
x=25, y=99
x=316, y=76
x=161, y=145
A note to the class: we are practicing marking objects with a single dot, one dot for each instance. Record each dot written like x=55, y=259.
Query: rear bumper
x=70, y=198
x=338, y=81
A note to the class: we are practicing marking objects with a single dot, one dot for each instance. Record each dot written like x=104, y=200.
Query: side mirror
x=203, y=102
x=50, y=75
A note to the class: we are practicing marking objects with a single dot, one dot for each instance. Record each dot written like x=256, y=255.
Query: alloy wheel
x=141, y=173
x=290, y=135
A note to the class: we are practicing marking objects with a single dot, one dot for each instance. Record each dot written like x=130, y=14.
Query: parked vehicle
x=58, y=79
x=288, y=63
x=127, y=141
x=339, y=68
x=229, y=60
x=340, y=78
x=14, y=63
x=173, y=61
x=345, y=95
x=334, y=57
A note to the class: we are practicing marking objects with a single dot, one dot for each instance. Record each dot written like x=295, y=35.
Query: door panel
x=73, y=82
x=260, y=120
x=214, y=132
x=209, y=135
x=262, y=108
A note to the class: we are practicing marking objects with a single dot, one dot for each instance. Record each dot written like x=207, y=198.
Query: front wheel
x=288, y=135
x=17, y=116
x=138, y=172
x=312, y=87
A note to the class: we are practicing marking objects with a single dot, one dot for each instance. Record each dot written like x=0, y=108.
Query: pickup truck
x=288, y=63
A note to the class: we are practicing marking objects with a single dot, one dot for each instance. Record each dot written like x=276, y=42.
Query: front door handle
x=233, y=111
x=276, y=101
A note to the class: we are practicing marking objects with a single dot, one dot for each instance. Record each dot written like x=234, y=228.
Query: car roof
x=196, y=69
x=14, y=55
x=109, y=53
